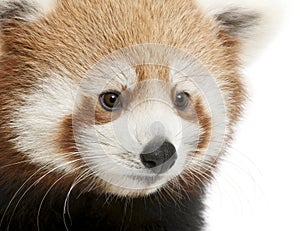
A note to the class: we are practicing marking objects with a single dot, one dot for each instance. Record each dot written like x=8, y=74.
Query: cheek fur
x=197, y=113
x=66, y=141
x=103, y=117
x=205, y=123
x=89, y=112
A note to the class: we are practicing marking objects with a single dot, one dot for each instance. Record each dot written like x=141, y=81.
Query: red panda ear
x=239, y=23
x=15, y=10
x=23, y=10
x=251, y=22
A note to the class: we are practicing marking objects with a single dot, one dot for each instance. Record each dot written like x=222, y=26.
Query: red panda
x=114, y=113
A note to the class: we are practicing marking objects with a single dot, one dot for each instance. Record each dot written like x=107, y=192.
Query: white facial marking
x=108, y=76
x=38, y=121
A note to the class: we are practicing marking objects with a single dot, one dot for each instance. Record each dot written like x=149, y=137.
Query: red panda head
x=130, y=96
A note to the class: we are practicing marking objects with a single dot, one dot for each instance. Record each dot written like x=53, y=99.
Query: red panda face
x=134, y=97
x=140, y=125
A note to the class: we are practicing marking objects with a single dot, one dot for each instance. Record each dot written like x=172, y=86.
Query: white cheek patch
x=38, y=121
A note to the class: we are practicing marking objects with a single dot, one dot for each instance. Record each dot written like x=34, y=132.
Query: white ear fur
x=253, y=22
x=44, y=5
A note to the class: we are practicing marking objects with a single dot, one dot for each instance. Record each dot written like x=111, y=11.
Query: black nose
x=159, y=157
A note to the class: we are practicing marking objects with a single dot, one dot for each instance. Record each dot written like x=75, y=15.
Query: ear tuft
x=239, y=23
x=23, y=10
x=251, y=22
x=15, y=10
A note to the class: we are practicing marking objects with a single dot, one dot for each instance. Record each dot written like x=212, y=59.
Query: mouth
x=146, y=180
x=136, y=184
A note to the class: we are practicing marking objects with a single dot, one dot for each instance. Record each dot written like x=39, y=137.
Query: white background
x=258, y=184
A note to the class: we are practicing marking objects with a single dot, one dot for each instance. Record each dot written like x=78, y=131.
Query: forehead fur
x=80, y=32
x=74, y=35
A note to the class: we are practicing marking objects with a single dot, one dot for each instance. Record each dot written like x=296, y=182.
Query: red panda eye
x=111, y=100
x=182, y=100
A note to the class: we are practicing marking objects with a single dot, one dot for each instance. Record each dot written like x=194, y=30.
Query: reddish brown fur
x=76, y=34
x=204, y=121
x=152, y=72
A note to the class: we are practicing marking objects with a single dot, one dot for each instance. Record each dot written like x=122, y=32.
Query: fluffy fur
x=66, y=162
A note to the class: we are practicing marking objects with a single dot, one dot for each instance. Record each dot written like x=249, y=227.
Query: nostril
x=172, y=164
x=150, y=160
x=149, y=164
x=159, y=158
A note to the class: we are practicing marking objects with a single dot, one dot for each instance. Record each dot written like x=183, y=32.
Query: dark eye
x=111, y=100
x=181, y=100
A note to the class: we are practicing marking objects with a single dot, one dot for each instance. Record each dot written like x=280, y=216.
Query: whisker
x=34, y=183
x=66, y=209
x=27, y=180
x=47, y=192
x=14, y=196
x=16, y=163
